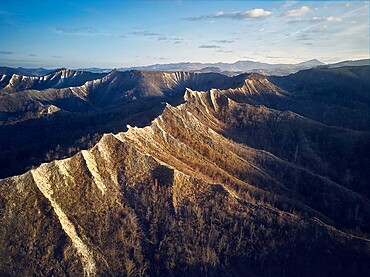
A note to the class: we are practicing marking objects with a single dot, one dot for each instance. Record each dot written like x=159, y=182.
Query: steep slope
x=220, y=160
x=341, y=154
x=179, y=198
x=34, y=123
x=132, y=85
x=338, y=97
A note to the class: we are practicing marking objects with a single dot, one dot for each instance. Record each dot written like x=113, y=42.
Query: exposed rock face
x=59, y=79
x=188, y=195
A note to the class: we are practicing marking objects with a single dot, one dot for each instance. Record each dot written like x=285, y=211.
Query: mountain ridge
x=188, y=173
x=135, y=98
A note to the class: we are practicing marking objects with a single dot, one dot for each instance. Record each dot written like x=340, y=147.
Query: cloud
x=238, y=32
x=322, y=29
x=154, y=58
x=178, y=40
x=168, y=39
x=277, y=57
x=145, y=33
x=303, y=37
x=6, y=52
x=208, y=46
x=290, y=3
x=295, y=21
x=160, y=37
x=94, y=12
x=326, y=19
x=9, y=18
x=298, y=12
x=305, y=29
x=239, y=15
x=256, y=13
x=87, y=31
x=32, y=55
x=224, y=41
x=77, y=30
x=225, y=51
x=57, y=57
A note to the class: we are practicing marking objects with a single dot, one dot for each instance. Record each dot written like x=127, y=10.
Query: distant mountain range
x=237, y=67
x=25, y=71
x=230, y=69
x=350, y=63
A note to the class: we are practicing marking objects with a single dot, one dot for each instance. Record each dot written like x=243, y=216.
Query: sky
x=108, y=34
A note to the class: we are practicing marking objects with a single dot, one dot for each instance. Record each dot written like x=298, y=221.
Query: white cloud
x=290, y=3
x=208, y=46
x=6, y=52
x=224, y=41
x=255, y=13
x=326, y=19
x=77, y=30
x=321, y=29
x=225, y=51
x=294, y=21
x=298, y=12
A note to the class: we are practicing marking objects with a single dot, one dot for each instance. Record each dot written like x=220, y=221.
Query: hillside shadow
x=29, y=143
x=163, y=175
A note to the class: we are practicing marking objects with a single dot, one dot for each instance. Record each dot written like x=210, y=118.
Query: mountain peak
x=311, y=63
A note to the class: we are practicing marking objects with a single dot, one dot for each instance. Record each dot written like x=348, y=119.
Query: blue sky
x=82, y=33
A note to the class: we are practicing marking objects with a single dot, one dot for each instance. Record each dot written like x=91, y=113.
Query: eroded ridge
x=41, y=178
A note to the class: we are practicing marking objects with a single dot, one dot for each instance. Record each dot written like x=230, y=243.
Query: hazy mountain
x=219, y=176
x=230, y=69
x=311, y=63
x=25, y=71
x=350, y=63
x=95, y=70
x=239, y=66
